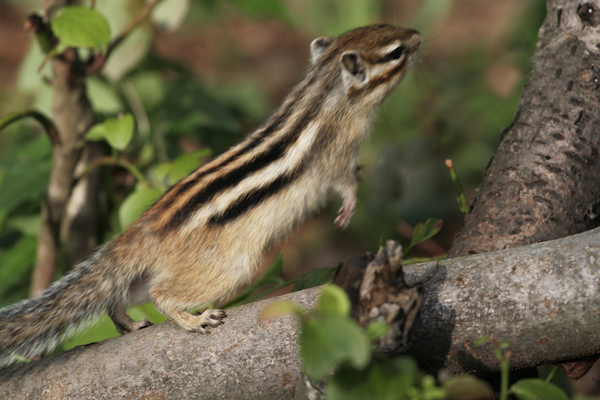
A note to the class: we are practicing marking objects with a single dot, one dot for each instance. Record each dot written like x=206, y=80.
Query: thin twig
x=107, y=160
x=131, y=26
x=98, y=61
x=46, y=123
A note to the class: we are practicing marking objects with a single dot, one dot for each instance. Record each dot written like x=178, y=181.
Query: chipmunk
x=205, y=237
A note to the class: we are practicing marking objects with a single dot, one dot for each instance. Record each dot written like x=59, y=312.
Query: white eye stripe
x=384, y=51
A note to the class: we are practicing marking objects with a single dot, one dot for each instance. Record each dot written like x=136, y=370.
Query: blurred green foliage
x=338, y=356
x=441, y=110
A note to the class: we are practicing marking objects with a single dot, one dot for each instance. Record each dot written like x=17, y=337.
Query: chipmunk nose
x=414, y=40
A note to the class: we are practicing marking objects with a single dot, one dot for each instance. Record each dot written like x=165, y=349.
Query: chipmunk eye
x=396, y=53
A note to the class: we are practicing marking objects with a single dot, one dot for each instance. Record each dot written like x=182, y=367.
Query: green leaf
x=149, y=310
x=424, y=231
x=273, y=274
x=119, y=131
x=375, y=330
x=136, y=203
x=104, y=97
x=350, y=384
x=333, y=301
x=150, y=87
x=25, y=173
x=78, y=26
x=383, y=380
x=313, y=278
x=188, y=107
x=330, y=340
x=280, y=308
x=467, y=387
x=186, y=163
x=16, y=263
x=27, y=224
x=101, y=330
x=537, y=389
x=96, y=133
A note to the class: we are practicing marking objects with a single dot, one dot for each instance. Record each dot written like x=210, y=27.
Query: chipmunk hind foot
x=200, y=323
x=124, y=323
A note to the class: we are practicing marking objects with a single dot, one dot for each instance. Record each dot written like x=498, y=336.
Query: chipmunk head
x=370, y=60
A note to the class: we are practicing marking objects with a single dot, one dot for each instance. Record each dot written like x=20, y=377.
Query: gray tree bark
x=542, y=183
x=521, y=295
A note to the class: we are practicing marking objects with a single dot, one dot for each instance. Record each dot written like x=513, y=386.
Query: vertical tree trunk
x=543, y=182
x=73, y=116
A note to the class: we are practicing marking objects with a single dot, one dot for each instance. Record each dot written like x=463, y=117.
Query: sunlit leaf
x=78, y=26
x=333, y=301
x=95, y=133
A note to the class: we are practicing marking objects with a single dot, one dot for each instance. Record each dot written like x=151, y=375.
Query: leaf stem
x=46, y=123
x=463, y=205
x=504, y=379
x=107, y=160
x=131, y=26
x=552, y=373
x=97, y=62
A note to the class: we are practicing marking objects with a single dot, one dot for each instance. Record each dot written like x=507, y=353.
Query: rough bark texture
x=521, y=295
x=542, y=298
x=540, y=183
x=243, y=359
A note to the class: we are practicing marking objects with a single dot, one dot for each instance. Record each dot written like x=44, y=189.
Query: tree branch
x=521, y=295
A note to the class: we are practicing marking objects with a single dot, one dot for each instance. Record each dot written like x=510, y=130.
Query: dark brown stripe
x=255, y=197
x=387, y=77
x=234, y=177
x=273, y=123
x=169, y=197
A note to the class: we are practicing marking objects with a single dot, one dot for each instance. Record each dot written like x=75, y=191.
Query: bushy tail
x=36, y=326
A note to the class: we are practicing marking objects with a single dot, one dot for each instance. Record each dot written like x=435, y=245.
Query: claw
x=345, y=214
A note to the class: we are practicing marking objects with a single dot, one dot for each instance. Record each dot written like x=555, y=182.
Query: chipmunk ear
x=318, y=47
x=353, y=68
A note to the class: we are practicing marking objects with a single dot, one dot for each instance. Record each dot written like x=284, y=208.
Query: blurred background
x=203, y=73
